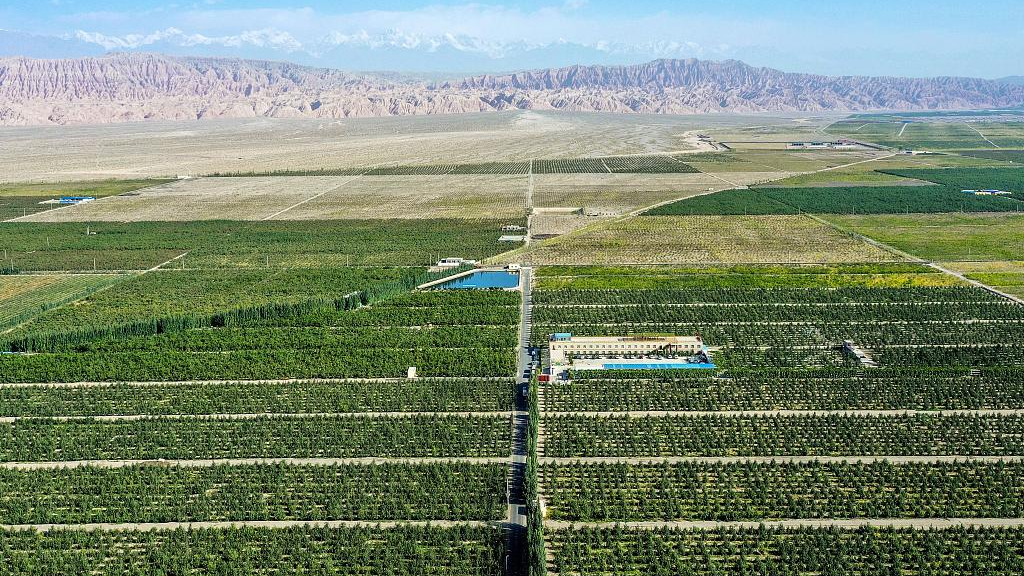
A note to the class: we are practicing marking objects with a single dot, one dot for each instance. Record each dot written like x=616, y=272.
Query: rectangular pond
x=483, y=280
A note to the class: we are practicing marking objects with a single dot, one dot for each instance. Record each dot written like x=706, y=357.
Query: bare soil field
x=618, y=193
x=705, y=240
x=309, y=198
x=208, y=146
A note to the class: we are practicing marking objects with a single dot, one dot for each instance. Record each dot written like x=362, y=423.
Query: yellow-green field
x=24, y=296
x=945, y=237
x=705, y=240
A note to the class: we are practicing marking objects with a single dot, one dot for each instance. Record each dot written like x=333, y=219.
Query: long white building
x=563, y=346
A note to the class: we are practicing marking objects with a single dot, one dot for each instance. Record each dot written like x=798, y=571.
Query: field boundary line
x=790, y=413
x=111, y=383
x=985, y=138
x=849, y=524
x=976, y=283
x=252, y=416
x=315, y=196
x=549, y=460
x=210, y=462
x=154, y=526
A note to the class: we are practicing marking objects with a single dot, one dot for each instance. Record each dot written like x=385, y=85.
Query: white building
x=563, y=347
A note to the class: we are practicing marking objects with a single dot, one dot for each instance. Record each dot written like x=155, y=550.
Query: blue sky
x=908, y=37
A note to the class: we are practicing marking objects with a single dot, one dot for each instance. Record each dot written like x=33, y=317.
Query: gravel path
x=148, y=526
x=921, y=523
x=199, y=463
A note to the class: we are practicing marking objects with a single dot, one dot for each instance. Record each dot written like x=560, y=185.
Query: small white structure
x=511, y=238
x=412, y=373
x=453, y=262
x=513, y=228
x=513, y=267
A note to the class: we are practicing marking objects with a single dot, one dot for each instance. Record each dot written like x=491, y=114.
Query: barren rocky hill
x=127, y=87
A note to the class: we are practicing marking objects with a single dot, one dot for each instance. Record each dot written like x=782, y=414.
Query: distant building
x=513, y=228
x=511, y=238
x=987, y=192
x=836, y=145
x=76, y=199
x=453, y=262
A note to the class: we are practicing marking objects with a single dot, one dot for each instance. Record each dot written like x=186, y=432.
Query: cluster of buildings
x=987, y=192
x=624, y=353
x=836, y=145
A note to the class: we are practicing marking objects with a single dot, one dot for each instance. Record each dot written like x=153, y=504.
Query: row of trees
x=148, y=493
x=343, y=436
x=991, y=551
x=257, y=397
x=846, y=294
x=748, y=491
x=395, y=551
x=907, y=311
x=166, y=365
x=569, y=436
x=791, y=389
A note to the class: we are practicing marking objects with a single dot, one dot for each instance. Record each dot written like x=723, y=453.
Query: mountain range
x=139, y=86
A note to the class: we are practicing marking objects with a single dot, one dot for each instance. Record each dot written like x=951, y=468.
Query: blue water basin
x=482, y=280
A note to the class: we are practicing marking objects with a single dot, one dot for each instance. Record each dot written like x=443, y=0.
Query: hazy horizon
x=443, y=37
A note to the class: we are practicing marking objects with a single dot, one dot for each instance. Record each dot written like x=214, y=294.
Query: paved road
x=520, y=420
x=847, y=524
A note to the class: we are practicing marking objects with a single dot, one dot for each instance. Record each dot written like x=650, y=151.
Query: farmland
x=447, y=551
x=945, y=237
x=24, y=297
x=788, y=438
x=946, y=195
x=354, y=197
x=299, y=341
x=235, y=244
x=906, y=131
x=235, y=371
x=699, y=239
x=24, y=199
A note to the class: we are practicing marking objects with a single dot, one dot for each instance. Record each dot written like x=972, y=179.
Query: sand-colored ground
x=309, y=198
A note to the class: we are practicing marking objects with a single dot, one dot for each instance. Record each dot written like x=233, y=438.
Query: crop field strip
x=945, y=194
x=18, y=200
x=744, y=491
x=792, y=389
x=393, y=491
x=407, y=549
x=253, y=397
x=696, y=240
x=635, y=164
x=216, y=245
x=567, y=436
x=606, y=551
x=310, y=343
